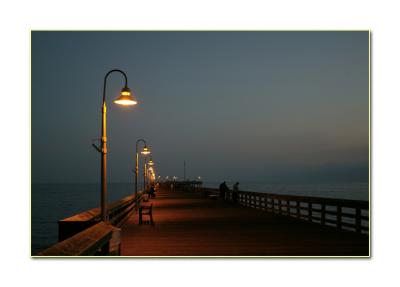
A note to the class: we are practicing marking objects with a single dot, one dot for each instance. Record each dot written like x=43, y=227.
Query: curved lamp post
x=145, y=152
x=126, y=99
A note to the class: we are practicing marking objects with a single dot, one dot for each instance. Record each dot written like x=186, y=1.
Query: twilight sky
x=259, y=106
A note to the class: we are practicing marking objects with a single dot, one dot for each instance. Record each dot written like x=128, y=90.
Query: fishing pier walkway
x=196, y=222
x=187, y=224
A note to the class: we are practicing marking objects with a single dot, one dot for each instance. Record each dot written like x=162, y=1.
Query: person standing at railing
x=223, y=188
x=235, y=191
x=151, y=191
x=221, y=191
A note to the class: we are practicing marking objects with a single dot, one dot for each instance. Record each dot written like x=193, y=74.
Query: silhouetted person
x=235, y=191
x=151, y=191
x=223, y=188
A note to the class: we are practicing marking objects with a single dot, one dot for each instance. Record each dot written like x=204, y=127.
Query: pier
x=194, y=221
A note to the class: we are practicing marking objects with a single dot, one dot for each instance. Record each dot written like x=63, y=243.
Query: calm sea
x=51, y=202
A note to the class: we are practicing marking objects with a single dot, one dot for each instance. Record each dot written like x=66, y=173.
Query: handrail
x=92, y=241
x=118, y=212
x=86, y=234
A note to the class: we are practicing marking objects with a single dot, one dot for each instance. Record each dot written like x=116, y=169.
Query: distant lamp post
x=145, y=152
x=152, y=176
x=145, y=171
x=150, y=173
x=126, y=99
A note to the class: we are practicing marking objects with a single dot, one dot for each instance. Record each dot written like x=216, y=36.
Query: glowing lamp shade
x=151, y=162
x=145, y=150
x=126, y=98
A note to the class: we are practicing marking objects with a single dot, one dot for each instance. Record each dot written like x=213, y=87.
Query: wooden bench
x=146, y=209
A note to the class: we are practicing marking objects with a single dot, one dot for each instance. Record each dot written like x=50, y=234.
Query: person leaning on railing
x=152, y=191
x=223, y=189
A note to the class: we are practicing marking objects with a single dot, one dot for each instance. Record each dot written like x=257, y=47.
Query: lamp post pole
x=150, y=170
x=103, y=148
x=137, y=164
x=144, y=174
x=103, y=199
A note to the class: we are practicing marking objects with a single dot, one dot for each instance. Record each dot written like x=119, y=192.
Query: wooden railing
x=86, y=234
x=187, y=185
x=118, y=212
x=344, y=214
x=96, y=240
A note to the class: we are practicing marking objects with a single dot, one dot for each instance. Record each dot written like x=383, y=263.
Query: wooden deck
x=188, y=225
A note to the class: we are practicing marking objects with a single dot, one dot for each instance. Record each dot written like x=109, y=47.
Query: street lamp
x=145, y=152
x=126, y=99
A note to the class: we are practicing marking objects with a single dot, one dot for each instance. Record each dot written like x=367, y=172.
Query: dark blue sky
x=261, y=106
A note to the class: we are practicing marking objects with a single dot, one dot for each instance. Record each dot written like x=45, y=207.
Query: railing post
x=297, y=209
x=310, y=211
x=266, y=202
x=288, y=207
x=339, y=216
x=323, y=213
x=358, y=219
x=273, y=204
x=280, y=206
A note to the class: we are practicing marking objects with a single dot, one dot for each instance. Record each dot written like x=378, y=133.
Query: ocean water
x=52, y=202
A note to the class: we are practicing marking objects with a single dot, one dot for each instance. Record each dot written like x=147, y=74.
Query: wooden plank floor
x=188, y=225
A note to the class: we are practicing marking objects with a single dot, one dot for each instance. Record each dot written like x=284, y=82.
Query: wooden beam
x=87, y=242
